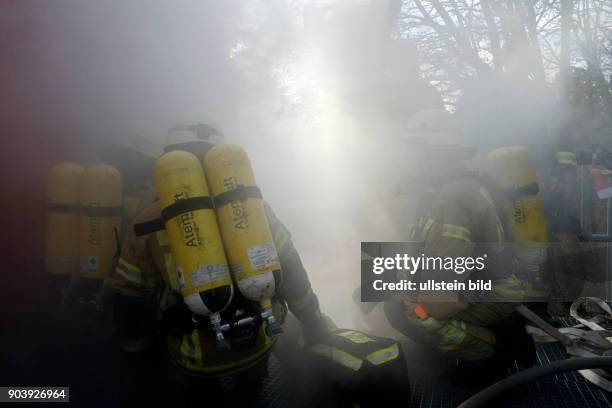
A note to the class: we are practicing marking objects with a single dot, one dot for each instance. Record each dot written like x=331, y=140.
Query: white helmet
x=435, y=129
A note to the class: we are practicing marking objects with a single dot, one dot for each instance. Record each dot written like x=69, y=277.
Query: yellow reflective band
x=128, y=271
x=427, y=225
x=568, y=158
x=339, y=356
x=430, y=324
x=456, y=232
x=510, y=287
x=356, y=337
x=453, y=335
x=486, y=195
x=383, y=355
x=129, y=266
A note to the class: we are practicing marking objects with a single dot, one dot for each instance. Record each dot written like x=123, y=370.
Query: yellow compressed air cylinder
x=512, y=171
x=513, y=175
x=100, y=220
x=201, y=266
x=62, y=239
x=244, y=226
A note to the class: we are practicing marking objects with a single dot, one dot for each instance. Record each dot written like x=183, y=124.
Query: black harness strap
x=240, y=193
x=63, y=208
x=173, y=210
x=148, y=227
x=527, y=190
x=101, y=211
x=187, y=205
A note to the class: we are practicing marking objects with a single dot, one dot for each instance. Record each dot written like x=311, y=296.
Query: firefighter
x=143, y=286
x=133, y=164
x=477, y=338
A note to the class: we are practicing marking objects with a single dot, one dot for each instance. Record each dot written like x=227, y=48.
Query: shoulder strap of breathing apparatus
x=240, y=193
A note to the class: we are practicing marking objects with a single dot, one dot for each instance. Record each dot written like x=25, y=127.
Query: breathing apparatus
x=212, y=211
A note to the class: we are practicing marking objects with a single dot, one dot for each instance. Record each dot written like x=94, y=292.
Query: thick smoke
x=316, y=91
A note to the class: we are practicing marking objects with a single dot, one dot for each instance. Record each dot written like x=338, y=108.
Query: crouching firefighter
x=476, y=336
x=220, y=266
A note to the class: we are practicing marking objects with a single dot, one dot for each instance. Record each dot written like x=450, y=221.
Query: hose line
x=485, y=396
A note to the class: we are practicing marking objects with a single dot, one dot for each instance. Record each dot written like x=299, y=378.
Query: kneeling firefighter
x=220, y=266
x=477, y=335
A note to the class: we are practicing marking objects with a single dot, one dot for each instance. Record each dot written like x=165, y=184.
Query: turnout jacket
x=462, y=221
x=145, y=281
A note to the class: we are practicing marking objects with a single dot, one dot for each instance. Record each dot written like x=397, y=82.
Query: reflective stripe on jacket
x=146, y=268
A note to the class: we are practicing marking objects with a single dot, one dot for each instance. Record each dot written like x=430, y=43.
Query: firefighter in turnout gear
x=147, y=280
x=478, y=338
x=133, y=163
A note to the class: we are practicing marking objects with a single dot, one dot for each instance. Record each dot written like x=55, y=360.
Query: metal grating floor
x=33, y=360
x=567, y=390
